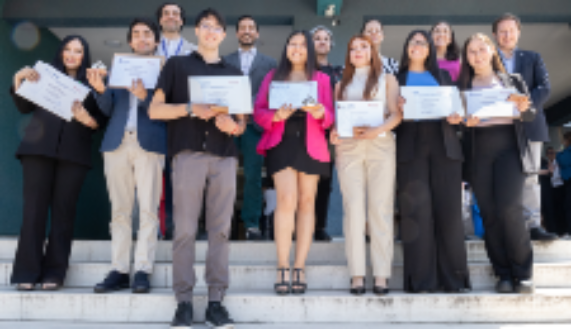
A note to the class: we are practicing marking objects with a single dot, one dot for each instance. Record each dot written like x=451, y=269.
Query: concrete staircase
x=251, y=299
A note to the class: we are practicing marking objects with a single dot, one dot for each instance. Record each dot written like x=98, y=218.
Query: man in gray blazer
x=134, y=150
x=256, y=66
x=171, y=17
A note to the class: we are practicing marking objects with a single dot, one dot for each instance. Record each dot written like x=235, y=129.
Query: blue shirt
x=509, y=63
x=564, y=162
x=421, y=79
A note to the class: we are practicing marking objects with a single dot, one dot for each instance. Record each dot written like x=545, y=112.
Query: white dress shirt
x=246, y=59
x=132, y=117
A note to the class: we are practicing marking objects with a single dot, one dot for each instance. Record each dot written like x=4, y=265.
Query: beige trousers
x=367, y=170
x=127, y=169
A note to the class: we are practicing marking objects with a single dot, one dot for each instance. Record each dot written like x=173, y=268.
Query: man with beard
x=256, y=66
x=171, y=17
x=323, y=41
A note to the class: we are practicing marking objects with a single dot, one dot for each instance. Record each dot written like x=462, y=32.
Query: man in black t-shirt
x=201, y=143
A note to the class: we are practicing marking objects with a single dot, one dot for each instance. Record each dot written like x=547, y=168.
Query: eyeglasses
x=414, y=43
x=209, y=28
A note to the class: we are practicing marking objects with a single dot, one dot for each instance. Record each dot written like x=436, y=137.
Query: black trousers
x=567, y=205
x=553, y=210
x=430, y=199
x=51, y=187
x=498, y=181
x=322, y=200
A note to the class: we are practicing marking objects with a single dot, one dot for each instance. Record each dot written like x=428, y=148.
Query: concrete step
x=75, y=325
x=80, y=305
x=322, y=277
x=265, y=252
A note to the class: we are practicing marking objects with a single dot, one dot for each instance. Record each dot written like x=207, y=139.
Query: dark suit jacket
x=530, y=66
x=527, y=159
x=261, y=66
x=115, y=103
x=49, y=135
x=406, y=131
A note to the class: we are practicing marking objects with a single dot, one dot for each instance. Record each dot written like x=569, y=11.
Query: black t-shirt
x=194, y=134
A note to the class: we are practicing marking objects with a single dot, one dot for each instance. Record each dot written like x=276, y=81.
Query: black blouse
x=51, y=136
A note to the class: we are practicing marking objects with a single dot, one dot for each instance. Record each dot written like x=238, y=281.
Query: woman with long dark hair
x=295, y=145
x=497, y=159
x=447, y=50
x=55, y=156
x=366, y=167
x=429, y=180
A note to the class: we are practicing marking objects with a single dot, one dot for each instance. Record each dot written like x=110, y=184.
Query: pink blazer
x=317, y=146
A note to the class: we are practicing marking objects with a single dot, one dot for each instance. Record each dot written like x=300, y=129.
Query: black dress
x=292, y=150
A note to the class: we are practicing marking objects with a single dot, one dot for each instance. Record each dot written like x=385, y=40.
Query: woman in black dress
x=429, y=181
x=55, y=156
x=296, y=148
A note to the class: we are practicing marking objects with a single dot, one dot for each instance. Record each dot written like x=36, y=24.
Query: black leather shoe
x=183, y=316
x=504, y=286
x=360, y=290
x=380, y=291
x=141, y=284
x=218, y=317
x=539, y=234
x=524, y=287
x=254, y=234
x=321, y=235
x=113, y=282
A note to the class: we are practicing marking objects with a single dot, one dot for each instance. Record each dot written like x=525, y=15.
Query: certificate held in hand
x=295, y=93
x=129, y=67
x=54, y=92
x=231, y=92
x=491, y=103
x=428, y=103
x=360, y=114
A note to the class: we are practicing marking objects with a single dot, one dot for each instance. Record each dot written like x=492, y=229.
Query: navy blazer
x=114, y=103
x=530, y=67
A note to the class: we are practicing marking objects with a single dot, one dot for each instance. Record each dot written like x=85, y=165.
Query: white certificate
x=491, y=103
x=358, y=114
x=129, y=67
x=234, y=92
x=425, y=103
x=294, y=93
x=55, y=91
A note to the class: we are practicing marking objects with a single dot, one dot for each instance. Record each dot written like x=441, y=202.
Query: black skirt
x=292, y=150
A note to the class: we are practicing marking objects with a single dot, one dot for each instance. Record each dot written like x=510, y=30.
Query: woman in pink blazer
x=295, y=145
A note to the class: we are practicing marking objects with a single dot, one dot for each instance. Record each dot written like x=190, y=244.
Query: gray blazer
x=114, y=103
x=261, y=66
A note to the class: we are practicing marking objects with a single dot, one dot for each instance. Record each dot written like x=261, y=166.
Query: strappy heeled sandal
x=298, y=287
x=283, y=287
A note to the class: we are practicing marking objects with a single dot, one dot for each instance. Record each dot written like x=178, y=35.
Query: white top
x=556, y=179
x=246, y=59
x=169, y=48
x=354, y=90
x=132, y=118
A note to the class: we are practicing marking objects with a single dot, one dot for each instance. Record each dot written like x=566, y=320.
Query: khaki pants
x=367, y=170
x=127, y=169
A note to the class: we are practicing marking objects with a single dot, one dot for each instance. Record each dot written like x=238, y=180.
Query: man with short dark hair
x=134, y=150
x=201, y=143
x=323, y=41
x=528, y=64
x=171, y=18
x=255, y=65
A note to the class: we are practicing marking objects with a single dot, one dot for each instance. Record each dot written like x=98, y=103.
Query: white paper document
x=425, y=103
x=358, y=114
x=129, y=67
x=294, y=93
x=491, y=103
x=54, y=92
x=234, y=92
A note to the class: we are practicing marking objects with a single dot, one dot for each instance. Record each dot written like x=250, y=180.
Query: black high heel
x=360, y=290
x=279, y=287
x=381, y=291
x=297, y=287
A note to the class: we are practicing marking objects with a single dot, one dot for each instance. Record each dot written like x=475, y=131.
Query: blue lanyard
x=165, y=51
